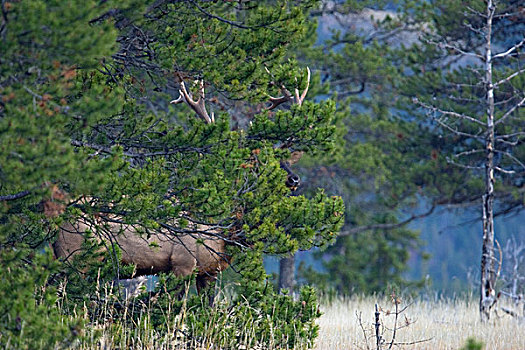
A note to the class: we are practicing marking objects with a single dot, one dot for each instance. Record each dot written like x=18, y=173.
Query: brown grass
x=447, y=323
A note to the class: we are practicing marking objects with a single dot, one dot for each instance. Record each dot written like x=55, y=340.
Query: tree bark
x=287, y=273
x=488, y=273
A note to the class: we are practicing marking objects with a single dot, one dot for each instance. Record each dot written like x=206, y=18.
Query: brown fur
x=181, y=255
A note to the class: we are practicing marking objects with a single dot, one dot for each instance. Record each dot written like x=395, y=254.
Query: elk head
x=293, y=180
x=198, y=106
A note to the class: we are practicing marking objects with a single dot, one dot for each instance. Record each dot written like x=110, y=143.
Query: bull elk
x=200, y=251
x=161, y=252
x=203, y=251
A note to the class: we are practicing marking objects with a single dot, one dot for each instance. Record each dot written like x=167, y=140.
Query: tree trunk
x=488, y=273
x=287, y=273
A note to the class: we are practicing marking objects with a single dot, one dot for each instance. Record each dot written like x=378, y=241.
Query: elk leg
x=206, y=284
x=180, y=290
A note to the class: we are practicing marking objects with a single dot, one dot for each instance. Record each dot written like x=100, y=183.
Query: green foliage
x=228, y=56
x=41, y=46
x=285, y=323
x=29, y=317
x=396, y=159
x=450, y=77
x=473, y=344
x=384, y=164
x=448, y=81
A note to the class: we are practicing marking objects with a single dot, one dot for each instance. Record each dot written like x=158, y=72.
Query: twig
x=386, y=226
x=449, y=113
x=377, y=325
x=358, y=315
x=509, y=51
x=221, y=19
x=505, y=171
x=516, y=73
x=11, y=197
x=509, y=112
x=446, y=45
x=464, y=166
x=516, y=160
x=396, y=302
x=414, y=342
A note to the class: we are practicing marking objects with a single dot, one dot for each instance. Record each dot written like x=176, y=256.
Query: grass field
x=443, y=324
x=347, y=323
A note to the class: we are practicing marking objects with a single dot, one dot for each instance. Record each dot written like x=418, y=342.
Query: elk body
x=161, y=252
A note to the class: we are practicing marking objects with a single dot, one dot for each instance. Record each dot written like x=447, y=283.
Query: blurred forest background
x=448, y=261
x=364, y=45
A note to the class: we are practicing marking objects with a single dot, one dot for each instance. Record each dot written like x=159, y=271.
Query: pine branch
x=505, y=101
x=224, y=20
x=359, y=229
x=516, y=160
x=469, y=152
x=445, y=45
x=464, y=166
x=455, y=131
x=449, y=113
x=505, y=171
x=108, y=150
x=475, y=30
x=501, y=138
x=476, y=12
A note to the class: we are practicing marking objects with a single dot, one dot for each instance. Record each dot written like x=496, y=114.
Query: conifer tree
x=85, y=108
x=400, y=162
x=42, y=43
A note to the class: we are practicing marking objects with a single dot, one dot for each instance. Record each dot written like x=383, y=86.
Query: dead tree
x=513, y=277
x=490, y=146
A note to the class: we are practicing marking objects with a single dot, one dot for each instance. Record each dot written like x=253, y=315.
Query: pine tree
x=42, y=44
x=85, y=108
x=399, y=162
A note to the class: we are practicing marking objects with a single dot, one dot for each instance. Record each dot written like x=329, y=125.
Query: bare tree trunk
x=500, y=102
x=488, y=273
x=287, y=273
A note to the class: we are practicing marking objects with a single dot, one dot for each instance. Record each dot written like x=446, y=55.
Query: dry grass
x=443, y=324
x=448, y=324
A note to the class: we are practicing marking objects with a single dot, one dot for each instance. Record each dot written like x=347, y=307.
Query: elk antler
x=287, y=95
x=299, y=99
x=198, y=106
x=293, y=180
